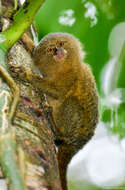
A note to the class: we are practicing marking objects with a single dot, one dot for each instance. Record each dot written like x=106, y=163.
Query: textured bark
x=36, y=149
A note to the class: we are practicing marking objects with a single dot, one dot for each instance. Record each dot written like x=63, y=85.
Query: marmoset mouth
x=60, y=54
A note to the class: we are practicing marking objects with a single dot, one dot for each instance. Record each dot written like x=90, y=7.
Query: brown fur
x=71, y=91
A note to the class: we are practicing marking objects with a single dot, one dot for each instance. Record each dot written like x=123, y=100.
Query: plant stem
x=8, y=161
x=22, y=21
x=7, y=141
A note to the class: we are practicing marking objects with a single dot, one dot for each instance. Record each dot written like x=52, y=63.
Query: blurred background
x=100, y=26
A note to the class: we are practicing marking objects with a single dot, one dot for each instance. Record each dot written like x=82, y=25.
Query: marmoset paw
x=18, y=72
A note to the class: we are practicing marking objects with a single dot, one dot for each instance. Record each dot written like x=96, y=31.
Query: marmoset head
x=57, y=49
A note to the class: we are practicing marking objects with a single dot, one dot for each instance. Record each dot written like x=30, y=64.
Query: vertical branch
x=0, y=8
x=7, y=141
x=22, y=21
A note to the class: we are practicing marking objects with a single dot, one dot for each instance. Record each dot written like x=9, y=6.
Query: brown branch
x=33, y=133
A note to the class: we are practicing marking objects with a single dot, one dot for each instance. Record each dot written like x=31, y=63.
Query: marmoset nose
x=60, y=54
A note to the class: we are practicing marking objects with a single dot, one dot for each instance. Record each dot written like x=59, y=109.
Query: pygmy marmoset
x=71, y=91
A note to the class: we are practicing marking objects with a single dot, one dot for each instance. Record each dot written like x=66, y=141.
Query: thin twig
x=14, y=88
